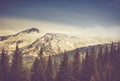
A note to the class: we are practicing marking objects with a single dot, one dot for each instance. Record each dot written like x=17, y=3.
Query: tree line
x=97, y=65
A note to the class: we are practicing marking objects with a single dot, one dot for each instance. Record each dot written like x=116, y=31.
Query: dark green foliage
x=38, y=69
x=17, y=72
x=102, y=64
x=55, y=68
x=34, y=70
x=76, y=67
x=108, y=65
x=87, y=67
x=38, y=73
x=40, y=55
x=63, y=73
x=117, y=66
x=4, y=67
x=115, y=63
x=49, y=70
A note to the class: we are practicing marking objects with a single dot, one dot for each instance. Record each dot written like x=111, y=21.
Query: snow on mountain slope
x=54, y=43
x=31, y=40
x=23, y=38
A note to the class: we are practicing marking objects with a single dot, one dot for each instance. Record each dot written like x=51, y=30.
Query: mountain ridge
x=31, y=40
x=55, y=43
x=24, y=38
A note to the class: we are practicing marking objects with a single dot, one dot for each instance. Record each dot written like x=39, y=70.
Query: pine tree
x=38, y=71
x=63, y=73
x=92, y=78
x=55, y=68
x=40, y=55
x=76, y=67
x=108, y=63
x=34, y=70
x=105, y=56
x=87, y=67
x=118, y=63
x=0, y=70
x=49, y=70
x=115, y=64
x=4, y=66
x=96, y=72
x=100, y=64
x=17, y=72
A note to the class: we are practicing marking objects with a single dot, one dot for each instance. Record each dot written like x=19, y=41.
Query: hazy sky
x=91, y=17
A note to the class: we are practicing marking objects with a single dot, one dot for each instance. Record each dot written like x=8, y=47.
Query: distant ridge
x=24, y=38
x=30, y=30
x=25, y=31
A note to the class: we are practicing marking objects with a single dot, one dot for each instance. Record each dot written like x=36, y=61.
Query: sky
x=84, y=17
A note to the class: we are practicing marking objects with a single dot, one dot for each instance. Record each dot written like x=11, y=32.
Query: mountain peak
x=31, y=30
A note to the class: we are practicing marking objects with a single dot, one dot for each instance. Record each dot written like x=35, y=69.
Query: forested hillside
x=101, y=64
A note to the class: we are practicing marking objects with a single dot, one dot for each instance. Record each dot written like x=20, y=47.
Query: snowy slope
x=23, y=38
x=55, y=43
x=31, y=40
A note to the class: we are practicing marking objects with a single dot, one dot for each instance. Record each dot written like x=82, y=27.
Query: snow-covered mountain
x=31, y=40
x=24, y=38
x=56, y=43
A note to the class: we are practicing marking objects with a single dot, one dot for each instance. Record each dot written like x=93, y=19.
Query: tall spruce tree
x=40, y=55
x=106, y=63
x=49, y=70
x=117, y=69
x=100, y=64
x=115, y=64
x=17, y=72
x=0, y=70
x=4, y=66
x=63, y=73
x=34, y=68
x=55, y=68
x=96, y=72
x=38, y=71
x=109, y=63
x=76, y=68
x=105, y=57
x=87, y=67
